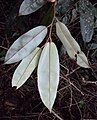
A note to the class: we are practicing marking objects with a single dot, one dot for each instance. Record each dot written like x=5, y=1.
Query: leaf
x=64, y=11
x=62, y=51
x=82, y=60
x=74, y=14
x=48, y=74
x=30, y=6
x=86, y=11
x=68, y=41
x=63, y=6
x=25, y=68
x=47, y=20
x=87, y=28
x=25, y=44
x=67, y=18
x=92, y=46
x=95, y=24
x=95, y=12
x=72, y=47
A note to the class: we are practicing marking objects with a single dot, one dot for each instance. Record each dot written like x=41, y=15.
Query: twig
x=56, y=115
x=4, y=47
x=76, y=88
x=65, y=68
x=72, y=72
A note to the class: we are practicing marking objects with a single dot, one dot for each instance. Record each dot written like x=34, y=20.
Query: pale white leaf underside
x=30, y=6
x=82, y=60
x=25, y=68
x=68, y=41
x=25, y=44
x=72, y=47
x=48, y=74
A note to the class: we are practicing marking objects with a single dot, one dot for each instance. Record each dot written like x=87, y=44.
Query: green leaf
x=48, y=16
x=95, y=13
x=48, y=74
x=63, y=6
x=86, y=11
x=81, y=104
x=25, y=68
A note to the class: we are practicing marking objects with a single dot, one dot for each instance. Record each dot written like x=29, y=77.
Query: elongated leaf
x=63, y=6
x=64, y=11
x=72, y=47
x=48, y=74
x=25, y=44
x=48, y=17
x=87, y=13
x=30, y=6
x=25, y=68
x=68, y=41
x=87, y=27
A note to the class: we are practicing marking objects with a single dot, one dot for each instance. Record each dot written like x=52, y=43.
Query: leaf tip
x=20, y=14
x=17, y=87
x=13, y=85
x=5, y=62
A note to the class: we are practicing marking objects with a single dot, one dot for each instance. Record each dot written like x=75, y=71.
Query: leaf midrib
x=30, y=6
x=71, y=45
x=27, y=66
x=49, y=73
x=67, y=39
x=25, y=44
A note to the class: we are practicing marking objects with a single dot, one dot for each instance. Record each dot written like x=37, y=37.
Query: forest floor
x=77, y=96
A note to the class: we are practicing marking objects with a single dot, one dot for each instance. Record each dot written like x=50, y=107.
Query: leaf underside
x=72, y=47
x=48, y=74
x=30, y=6
x=25, y=44
x=25, y=68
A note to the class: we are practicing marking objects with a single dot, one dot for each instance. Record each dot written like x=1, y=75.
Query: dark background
x=25, y=103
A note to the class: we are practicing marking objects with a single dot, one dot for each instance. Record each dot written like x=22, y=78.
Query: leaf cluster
x=32, y=54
